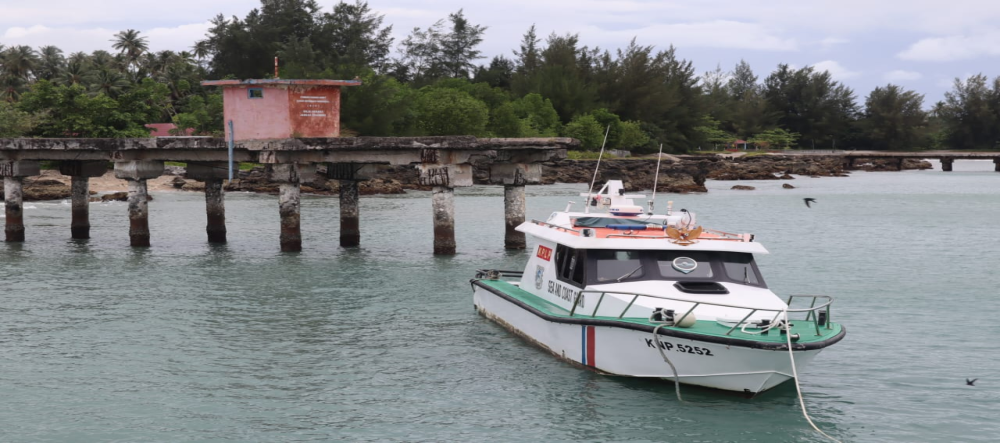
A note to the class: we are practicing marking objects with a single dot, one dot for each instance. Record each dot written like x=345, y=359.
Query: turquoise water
x=191, y=342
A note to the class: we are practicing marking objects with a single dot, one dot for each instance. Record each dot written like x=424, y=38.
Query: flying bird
x=971, y=382
x=809, y=200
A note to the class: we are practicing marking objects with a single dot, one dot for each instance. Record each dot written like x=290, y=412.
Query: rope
x=795, y=374
x=659, y=347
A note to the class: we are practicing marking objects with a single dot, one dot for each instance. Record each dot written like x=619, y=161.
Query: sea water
x=187, y=341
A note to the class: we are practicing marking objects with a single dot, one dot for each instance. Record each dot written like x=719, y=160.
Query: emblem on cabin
x=685, y=264
x=684, y=236
x=539, y=277
x=544, y=253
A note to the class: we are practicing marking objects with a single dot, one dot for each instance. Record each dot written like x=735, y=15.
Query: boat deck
x=805, y=329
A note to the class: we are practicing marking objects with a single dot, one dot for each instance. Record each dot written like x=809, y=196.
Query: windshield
x=609, y=266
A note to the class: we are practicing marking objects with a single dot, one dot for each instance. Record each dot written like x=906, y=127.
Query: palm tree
x=77, y=72
x=20, y=62
x=52, y=62
x=103, y=60
x=130, y=45
x=108, y=82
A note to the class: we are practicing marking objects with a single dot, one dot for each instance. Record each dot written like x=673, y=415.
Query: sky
x=922, y=45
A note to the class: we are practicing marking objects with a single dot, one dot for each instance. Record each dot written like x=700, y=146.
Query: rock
x=743, y=188
x=174, y=170
x=178, y=182
x=45, y=189
x=120, y=196
x=787, y=186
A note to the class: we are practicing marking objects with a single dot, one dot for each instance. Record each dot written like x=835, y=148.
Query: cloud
x=179, y=38
x=835, y=69
x=713, y=34
x=952, y=48
x=830, y=42
x=901, y=75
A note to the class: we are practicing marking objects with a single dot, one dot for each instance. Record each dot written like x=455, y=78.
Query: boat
x=625, y=292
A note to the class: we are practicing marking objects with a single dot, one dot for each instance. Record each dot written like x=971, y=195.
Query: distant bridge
x=947, y=158
x=444, y=163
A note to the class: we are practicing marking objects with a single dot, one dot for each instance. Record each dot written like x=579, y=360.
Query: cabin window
x=255, y=93
x=570, y=264
x=614, y=266
x=739, y=267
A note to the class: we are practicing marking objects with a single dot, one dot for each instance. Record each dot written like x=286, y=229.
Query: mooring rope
x=795, y=375
x=659, y=347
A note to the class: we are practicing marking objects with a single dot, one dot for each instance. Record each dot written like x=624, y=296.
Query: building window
x=255, y=93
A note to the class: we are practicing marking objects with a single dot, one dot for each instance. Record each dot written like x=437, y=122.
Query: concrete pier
x=350, y=226
x=946, y=164
x=288, y=208
x=443, y=202
x=138, y=213
x=289, y=176
x=212, y=173
x=13, y=174
x=513, y=211
x=13, y=209
x=996, y=164
x=136, y=173
x=79, y=225
x=215, y=208
x=80, y=173
x=513, y=177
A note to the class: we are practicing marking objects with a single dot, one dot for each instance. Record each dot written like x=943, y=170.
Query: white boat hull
x=629, y=352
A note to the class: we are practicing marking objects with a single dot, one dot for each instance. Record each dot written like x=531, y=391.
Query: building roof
x=280, y=81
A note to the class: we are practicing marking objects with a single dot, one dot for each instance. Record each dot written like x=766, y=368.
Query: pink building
x=278, y=108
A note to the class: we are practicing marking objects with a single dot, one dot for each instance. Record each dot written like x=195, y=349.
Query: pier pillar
x=513, y=177
x=348, y=175
x=946, y=164
x=289, y=176
x=13, y=189
x=80, y=173
x=350, y=230
x=996, y=164
x=443, y=202
x=513, y=212
x=136, y=173
x=212, y=174
x=444, y=179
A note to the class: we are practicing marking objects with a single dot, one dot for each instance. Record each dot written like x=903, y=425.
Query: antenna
x=656, y=178
x=590, y=191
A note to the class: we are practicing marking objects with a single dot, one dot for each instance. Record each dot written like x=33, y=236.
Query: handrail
x=811, y=311
x=539, y=222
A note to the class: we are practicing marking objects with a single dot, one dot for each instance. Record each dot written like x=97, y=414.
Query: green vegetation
x=438, y=83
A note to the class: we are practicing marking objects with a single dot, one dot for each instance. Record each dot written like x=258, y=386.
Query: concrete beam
x=291, y=172
x=352, y=171
x=515, y=174
x=450, y=176
x=205, y=171
x=138, y=170
x=22, y=168
x=83, y=169
x=946, y=164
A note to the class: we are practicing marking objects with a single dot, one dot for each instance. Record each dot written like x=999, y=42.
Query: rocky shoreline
x=678, y=174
